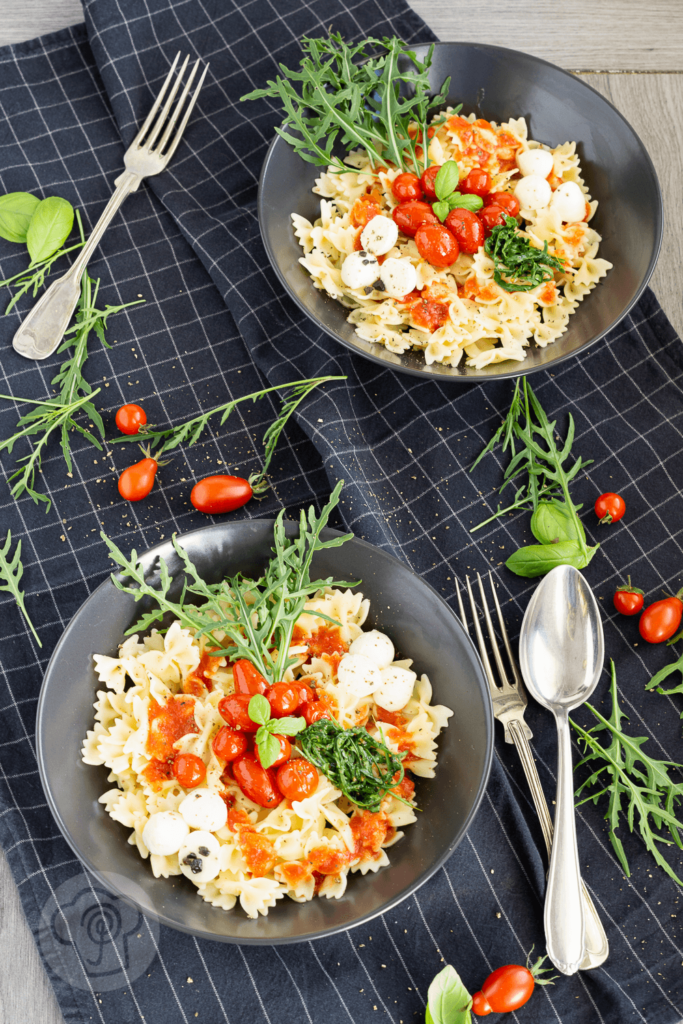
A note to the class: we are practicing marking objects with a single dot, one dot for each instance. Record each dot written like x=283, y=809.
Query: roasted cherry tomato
x=306, y=693
x=406, y=187
x=235, y=711
x=661, y=620
x=427, y=181
x=492, y=217
x=437, y=245
x=467, y=229
x=284, y=755
x=477, y=183
x=248, y=679
x=130, y=418
x=314, y=710
x=284, y=698
x=229, y=744
x=137, y=481
x=506, y=989
x=189, y=770
x=220, y=493
x=257, y=783
x=609, y=508
x=297, y=779
x=505, y=200
x=628, y=600
x=364, y=209
x=409, y=216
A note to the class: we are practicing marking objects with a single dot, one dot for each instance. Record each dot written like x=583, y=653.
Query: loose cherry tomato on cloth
x=492, y=217
x=257, y=783
x=477, y=183
x=427, y=181
x=406, y=186
x=284, y=698
x=508, y=988
x=505, y=200
x=628, y=600
x=467, y=229
x=437, y=245
x=228, y=744
x=297, y=779
x=314, y=710
x=609, y=508
x=660, y=620
x=234, y=709
x=130, y=418
x=189, y=770
x=285, y=751
x=409, y=216
x=248, y=679
x=220, y=493
x=137, y=481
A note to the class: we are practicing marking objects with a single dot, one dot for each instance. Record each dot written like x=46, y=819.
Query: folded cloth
x=216, y=324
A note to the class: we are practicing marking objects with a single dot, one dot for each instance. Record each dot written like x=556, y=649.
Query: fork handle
x=43, y=328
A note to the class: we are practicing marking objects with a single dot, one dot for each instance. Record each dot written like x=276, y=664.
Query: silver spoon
x=561, y=653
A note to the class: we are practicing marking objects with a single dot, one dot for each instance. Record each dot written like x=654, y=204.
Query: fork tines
x=142, y=140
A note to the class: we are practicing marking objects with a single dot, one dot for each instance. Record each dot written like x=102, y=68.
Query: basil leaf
x=448, y=1001
x=287, y=726
x=537, y=559
x=259, y=709
x=16, y=210
x=49, y=228
x=268, y=748
x=467, y=202
x=553, y=522
x=441, y=209
x=447, y=179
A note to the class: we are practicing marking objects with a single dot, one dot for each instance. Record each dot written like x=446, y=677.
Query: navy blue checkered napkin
x=216, y=324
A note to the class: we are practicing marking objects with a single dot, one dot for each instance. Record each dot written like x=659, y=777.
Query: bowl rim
x=473, y=376
x=108, y=882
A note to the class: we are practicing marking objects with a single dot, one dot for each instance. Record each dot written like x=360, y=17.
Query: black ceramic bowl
x=499, y=84
x=422, y=626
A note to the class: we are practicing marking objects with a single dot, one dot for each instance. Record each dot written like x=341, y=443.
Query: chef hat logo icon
x=93, y=939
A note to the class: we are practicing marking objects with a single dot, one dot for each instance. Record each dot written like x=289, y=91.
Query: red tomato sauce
x=369, y=832
x=158, y=771
x=548, y=293
x=168, y=723
x=394, y=718
x=405, y=788
x=294, y=872
x=428, y=314
x=365, y=208
x=200, y=677
x=326, y=861
x=326, y=640
x=258, y=852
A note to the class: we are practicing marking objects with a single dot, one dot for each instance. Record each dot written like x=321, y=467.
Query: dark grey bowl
x=404, y=605
x=498, y=84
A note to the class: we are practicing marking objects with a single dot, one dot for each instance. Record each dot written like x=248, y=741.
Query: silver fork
x=509, y=702
x=43, y=328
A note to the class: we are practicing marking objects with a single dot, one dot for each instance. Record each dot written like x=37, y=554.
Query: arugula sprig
x=11, y=571
x=445, y=186
x=269, y=728
x=518, y=266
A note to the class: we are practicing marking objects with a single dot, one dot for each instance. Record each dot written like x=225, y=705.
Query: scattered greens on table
x=555, y=522
x=11, y=571
x=664, y=673
x=523, y=265
x=448, y=1001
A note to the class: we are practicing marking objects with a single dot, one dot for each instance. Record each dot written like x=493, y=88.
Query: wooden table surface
x=630, y=52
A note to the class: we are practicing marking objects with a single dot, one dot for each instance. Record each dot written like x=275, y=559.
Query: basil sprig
x=16, y=211
x=268, y=747
x=445, y=185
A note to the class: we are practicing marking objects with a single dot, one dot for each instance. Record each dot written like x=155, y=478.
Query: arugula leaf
x=11, y=571
x=664, y=673
x=16, y=210
x=448, y=1001
x=49, y=228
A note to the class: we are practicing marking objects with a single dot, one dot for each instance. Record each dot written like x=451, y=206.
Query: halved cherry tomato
x=628, y=600
x=257, y=783
x=406, y=187
x=284, y=755
x=314, y=710
x=437, y=245
x=284, y=698
x=477, y=183
x=409, y=216
x=297, y=779
x=234, y=709
x=189, y=770
x=248, y=679
x=467, y=229
x=506, y=989
x=505, y=200
x=137, y=481
x=220, y=493
x=427, y=181
x=609, y=508
x=364, y=209
x=660, y=620
x=229, y=744
x=130, y=418
x=492, y=217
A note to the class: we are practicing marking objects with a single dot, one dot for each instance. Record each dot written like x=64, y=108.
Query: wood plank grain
x=20, y=21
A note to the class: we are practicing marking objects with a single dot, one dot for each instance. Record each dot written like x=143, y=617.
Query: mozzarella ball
x=569, y=201
x=204, y=809
x=535, y=161
x=198, y=857
x=533, y=192
x=164, y=833
x=359, y=270
x=379, y=235
x=358, y=674
x=374, y=645
x=395, y=689
x=398, y=276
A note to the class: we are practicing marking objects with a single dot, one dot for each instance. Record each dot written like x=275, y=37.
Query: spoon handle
x=564, y=916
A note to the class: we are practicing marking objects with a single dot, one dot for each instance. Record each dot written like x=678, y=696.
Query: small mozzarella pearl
x=204, y=809
x=379, y=235
x=164, y=833
x=198, y=857
x=569, y=201
x=399, y=277
x=535, y=161
x=395, y=689
x=358, y=674
x=374, y=645
x=533, y=192
x=359, y=270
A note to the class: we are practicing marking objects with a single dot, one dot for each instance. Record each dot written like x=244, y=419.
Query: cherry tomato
x=467, y=229
x=314, y=710
x=477, y=183
x=409, y=216
x=306, y=693
x=130, y=418
x=257, y=783
x=137, y=481
x=297, y=779
x=284, y=698
x=609, y=508
x=284, y=755
x=247, y=679
x=505, y=200
x=427, y=181
x=364, y=209
x=406, y=187
x=437, y=245
x=491, y=217
x=189, y=770
x=235, y=711
x=628, y=600
x=660, y=620
x=221, y=493
x=229, y=744
x=506, y=989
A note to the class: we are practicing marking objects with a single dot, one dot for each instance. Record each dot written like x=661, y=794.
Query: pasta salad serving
x=263, y=744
